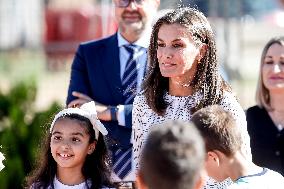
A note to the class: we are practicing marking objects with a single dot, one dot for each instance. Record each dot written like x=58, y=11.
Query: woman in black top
x=266, y=119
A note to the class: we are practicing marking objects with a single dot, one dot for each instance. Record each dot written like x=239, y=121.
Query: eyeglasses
x=125, y=3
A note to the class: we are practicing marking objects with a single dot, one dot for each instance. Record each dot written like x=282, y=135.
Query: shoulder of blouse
x=139, y=100
x=230, y=103
x=229, y=98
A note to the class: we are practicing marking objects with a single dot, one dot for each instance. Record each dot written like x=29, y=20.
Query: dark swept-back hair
x=262, y=94
x=95, y=168
x=218, y=129
x=207, y=79
x=173, y=156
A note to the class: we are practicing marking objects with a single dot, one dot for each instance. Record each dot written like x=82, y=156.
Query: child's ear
x=213, y=158
x=92, y=147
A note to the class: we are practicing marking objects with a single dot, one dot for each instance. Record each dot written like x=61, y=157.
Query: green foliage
x=21, y=129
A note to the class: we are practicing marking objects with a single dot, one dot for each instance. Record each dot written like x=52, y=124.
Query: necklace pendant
x=183, y=84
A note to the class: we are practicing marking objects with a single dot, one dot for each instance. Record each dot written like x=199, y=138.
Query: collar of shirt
x=143, y=41
x=142, y=56
x=58, y=184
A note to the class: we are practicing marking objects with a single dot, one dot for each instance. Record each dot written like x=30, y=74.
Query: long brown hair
x=207, y=79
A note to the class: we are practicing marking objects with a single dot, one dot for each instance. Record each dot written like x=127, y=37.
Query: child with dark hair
x=172, y=158
x=74, y=154
x=225, y=159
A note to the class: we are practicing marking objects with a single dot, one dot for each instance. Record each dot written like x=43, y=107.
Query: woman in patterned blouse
x=182, y=78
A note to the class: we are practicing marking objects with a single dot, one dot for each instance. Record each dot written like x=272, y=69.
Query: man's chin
x=133, y=26
x=133, y=23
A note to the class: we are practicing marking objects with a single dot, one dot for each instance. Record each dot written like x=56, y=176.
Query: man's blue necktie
x=129, y=79
x=123, y=157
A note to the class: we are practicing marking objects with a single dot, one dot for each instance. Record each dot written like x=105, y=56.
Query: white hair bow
x=1, y=159
x=87, y=110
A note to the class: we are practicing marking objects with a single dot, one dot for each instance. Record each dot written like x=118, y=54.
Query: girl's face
x=177, y=53
x=70, y=144
x=273, y=68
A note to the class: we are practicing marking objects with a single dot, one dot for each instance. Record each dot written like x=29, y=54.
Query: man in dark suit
x=98, y=73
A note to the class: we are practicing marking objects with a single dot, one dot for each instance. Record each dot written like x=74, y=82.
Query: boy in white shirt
x=225, y=159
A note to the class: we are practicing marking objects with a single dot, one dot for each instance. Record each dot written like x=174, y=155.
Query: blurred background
x=38, y=39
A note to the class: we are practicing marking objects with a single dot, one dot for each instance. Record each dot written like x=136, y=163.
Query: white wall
x=21, y=23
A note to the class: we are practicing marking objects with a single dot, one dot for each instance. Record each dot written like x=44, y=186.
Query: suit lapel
x=111, y=67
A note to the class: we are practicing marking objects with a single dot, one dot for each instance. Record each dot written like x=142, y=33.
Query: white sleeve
x=230, y=103
x=120, y=115
x=137, y=130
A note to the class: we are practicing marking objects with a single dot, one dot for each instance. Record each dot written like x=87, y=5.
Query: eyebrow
x=176, y=40
x=56, y=132
x=270, y=57
x=78, y=134
x=160, y=39
x=60, y=133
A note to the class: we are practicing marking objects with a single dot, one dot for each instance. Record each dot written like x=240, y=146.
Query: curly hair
x=207, y=79
x=96, y=165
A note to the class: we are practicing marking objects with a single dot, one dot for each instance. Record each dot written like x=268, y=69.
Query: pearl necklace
x=182, y=84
